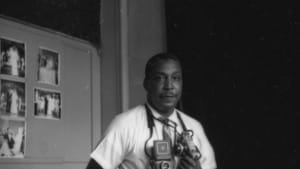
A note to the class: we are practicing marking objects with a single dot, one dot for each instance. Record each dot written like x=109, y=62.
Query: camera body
x=185, y=144
x=162, y=152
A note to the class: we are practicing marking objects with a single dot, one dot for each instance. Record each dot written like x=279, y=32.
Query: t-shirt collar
x=172, y=117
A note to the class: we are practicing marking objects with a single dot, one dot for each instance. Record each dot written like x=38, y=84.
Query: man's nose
x=168, y=84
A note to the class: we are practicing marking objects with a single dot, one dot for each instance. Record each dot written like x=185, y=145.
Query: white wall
x=144, y=25
x=146, y=37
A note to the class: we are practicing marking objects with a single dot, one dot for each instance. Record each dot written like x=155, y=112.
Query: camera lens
x=165, y=165
x=179, y=149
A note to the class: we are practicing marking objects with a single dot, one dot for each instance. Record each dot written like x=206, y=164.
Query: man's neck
x=164, y=113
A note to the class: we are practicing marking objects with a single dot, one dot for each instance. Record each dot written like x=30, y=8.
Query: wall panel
x=68, y=141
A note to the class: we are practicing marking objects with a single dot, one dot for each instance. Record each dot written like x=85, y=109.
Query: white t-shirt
x=122, y=145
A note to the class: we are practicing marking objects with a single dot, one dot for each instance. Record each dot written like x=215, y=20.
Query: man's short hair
x=157, y=58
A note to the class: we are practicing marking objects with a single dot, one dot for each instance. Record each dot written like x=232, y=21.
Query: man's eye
x=158, y=78
x=177, y=78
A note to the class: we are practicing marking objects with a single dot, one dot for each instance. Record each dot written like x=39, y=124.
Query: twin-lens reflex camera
x=163, y=151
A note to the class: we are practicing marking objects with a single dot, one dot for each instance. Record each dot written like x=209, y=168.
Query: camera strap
x=181, y=122
x=150, y=120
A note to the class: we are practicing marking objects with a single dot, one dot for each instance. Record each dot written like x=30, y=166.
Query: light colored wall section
x=145, y=28
x=64, y=143
x=110, y=61
x=77, y=104
x=146, y=37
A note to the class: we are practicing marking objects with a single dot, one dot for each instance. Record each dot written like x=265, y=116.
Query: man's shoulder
x=185, y=116
x=189, y=120
x=133, y=114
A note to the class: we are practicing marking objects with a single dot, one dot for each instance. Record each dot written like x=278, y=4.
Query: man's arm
x=93, y=165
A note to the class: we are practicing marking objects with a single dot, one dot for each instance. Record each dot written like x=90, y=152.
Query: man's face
x=164, y=86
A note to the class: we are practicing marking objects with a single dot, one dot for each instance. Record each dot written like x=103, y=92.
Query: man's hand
x=187, y=162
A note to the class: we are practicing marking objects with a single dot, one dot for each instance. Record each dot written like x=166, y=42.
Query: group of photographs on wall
x=13, y=105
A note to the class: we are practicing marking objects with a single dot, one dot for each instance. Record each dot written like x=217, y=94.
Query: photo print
x=48, y=66
x=12, y=138
x=47, y=104
x=12, y=98
x=12, y=58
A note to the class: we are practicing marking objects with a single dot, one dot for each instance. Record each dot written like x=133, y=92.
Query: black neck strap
x=181, y=122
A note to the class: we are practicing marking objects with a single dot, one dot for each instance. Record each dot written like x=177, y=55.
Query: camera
x=185, y=144
x=162, y=155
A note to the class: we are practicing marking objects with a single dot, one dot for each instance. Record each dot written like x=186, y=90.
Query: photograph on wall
x=12, y=138
x=12, y=58
x=48, y=66
x=12, y=98
x=47, y=104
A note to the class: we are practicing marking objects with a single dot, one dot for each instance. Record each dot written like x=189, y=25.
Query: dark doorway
x=241, y=77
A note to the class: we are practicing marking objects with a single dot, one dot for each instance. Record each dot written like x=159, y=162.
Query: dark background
x=79, y=18
x=241, y=62
x=241, y=67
